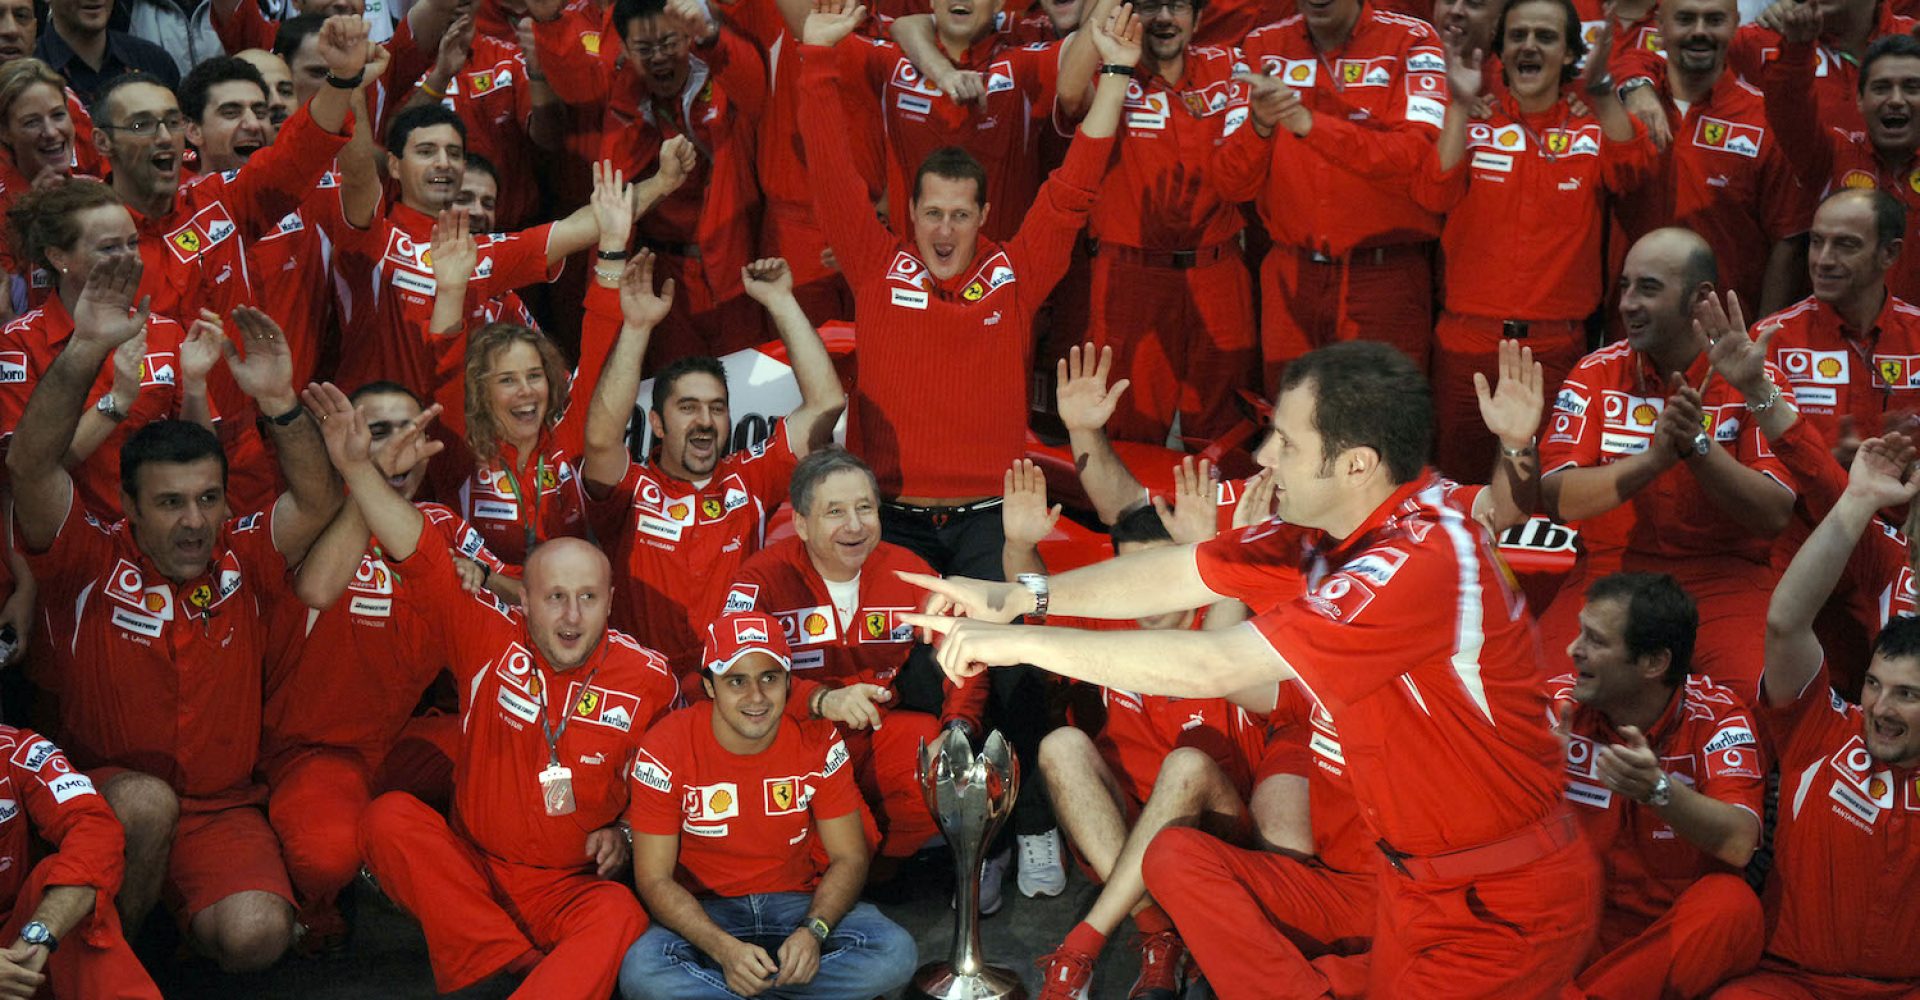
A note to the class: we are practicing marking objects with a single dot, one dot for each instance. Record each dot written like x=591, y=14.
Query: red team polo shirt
x=1835, y=76
x=1172, y=133
x=1378, y=102
x=492, y=95
x=1883, y=566
x=375, y=642
x=1304, y=742
x=1411, y=635
x=506, y=686
x=1839, y=374
x=1724, y=177
x=1526, y=212
x=290, y=273
x=1607, y=410
x=43, y=799
x=919, y=119
x=676, y=545
x=976, y=330
x=1704, y=738
x=869, y=647
x=746, y=822
x=27, y=348
x=1847, y=848
x=156, y=676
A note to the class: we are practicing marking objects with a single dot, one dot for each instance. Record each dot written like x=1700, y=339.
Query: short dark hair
x=1660, y=616
x=171, y=442
x=1900, y=639
x=1367, y=395
x=418, y=117
x=1889, y=216
x=477, y=164
x=670, y=376
x=385, y=387
x=294, y=32
x=1576, y=43
x=954, y=164
x=1141, y=524
x=1886, y=46
x=1701, y=266
x=816, y=467
x=219, y=69
x=102, y=97
x=626, y=11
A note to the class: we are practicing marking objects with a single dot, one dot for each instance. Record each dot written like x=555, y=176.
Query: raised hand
x=343, y=45
x=691, y=17
x=1256, y=501
x=455, y=253
x=128, y=361
x=1117, y=37
x=1025, y=518
x=1273, y=104
x=266, y=372
x=1084, y=400
x=1466, y=77
x=767, y=280
x=1512, y=409
x=1739, y=359
x=409, y=446
x=1799, y=23
x=456, y=47
x=640, y=305
x=1883, y=474
x=1193, y=516
x=1594, y=77
x=349, y=441
x=832, y=20
x=614, y=208
x=201, y=350
x=104, y=315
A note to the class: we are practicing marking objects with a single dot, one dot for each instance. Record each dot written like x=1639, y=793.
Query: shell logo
x=679, y=511
x=1645, y=415
x=1828, y=367
x=1299, y=73
x=1877, y=787
x=154, y=602
x=720, y=802
x=1859, y=180
x=815, y=625
x=1913, y=180
x=1506, y=139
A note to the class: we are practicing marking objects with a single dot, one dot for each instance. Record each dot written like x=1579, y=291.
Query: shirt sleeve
x=282, y=174
x=461, y=536
x=860, y=243
x=1735, y=764
x=768, y=468
x=1043, y=247
x=581, y=76
x=739, y=71
x=1804, y=729
x=457, y=619
x=834, y=793
x=1787, y=204
x=1573, y=438
x=1787, y=84
x=1258, y=565
x=71, y=815
x=599, y=329
x=1624, y=166
x=654, y=790
x=512, y=260
x=1754, y=450
x=80, y=549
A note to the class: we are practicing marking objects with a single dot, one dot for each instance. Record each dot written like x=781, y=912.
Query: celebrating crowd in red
x=561, y=460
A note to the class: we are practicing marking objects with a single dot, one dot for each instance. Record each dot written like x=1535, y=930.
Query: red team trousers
x=1184, y=336
x=1463, y=448
x=481, y=914
x=884, y=765
x=1713, y=930
x=319, y=794
x=1383, y=294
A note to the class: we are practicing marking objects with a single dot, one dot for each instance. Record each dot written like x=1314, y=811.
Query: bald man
x=555, y=704
x=1667, y=470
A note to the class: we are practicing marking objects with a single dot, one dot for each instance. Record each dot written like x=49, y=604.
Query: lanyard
x=532, y=503
x=1539, y=138
x=566, y=716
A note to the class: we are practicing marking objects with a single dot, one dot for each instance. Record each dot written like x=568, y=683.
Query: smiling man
x=1845, y=867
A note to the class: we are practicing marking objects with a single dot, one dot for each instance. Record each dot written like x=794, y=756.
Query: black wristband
x=613, y=254
x=346, y=82
x=1116, y=69
x=286, y=419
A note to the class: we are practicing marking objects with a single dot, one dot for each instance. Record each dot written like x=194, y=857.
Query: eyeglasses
x=1147, y=10
x=143, y=127
x=665, y=46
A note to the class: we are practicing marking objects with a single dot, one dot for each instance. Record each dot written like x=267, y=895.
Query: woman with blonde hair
x=44, y=134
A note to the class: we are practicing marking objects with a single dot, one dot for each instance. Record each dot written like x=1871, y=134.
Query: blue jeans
x=866, y=956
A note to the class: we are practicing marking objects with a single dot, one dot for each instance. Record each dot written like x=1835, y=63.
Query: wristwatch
x=1662, y=791
x=1632, y=84
x=820, y=928
x=109, y=409
x=1036, y=584
x=35, y=932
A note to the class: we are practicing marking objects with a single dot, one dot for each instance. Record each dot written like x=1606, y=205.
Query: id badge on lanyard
x=556, y=780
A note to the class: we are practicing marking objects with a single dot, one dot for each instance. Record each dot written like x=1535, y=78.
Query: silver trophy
x=970, y=797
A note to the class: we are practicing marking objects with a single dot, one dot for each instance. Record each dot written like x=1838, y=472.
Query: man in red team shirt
x=680, y=524
x=1852, y=349
x=1845, y=868
x=1831, y=156
x=1341, y=138
x=1410, y=636
x=742, y=906
x=159, y=687
x=1723, y=174
x=553, y=704
x=358, y=627
x=1640, y=428
x=1834, y=39
x=1668, y=779
x=62, y=896
x=835, y=593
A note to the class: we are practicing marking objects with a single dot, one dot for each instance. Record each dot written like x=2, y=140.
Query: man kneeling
x=765, y=799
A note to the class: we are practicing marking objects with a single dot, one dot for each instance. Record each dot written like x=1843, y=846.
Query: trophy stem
x=966, y=955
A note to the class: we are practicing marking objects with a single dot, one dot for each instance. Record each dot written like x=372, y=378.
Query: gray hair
x=816, y=467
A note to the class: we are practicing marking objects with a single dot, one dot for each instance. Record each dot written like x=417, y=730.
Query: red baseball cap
x=731, y=637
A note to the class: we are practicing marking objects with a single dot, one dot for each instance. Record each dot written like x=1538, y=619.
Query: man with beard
x=160, y=687
x=1640, y=428
x=1831, y=155
x=679, y=524
x=1845, y=867
x=1724, y=175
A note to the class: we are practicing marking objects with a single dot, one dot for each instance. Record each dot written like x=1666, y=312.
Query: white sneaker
x=1042, y=870
x=992, y=874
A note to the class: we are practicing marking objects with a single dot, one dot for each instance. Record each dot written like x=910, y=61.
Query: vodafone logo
x=1578, y=752
x=1858, y=759
x=127, y=578
x=518, y=661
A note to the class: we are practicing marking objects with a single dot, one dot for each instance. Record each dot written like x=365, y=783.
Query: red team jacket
x=42, y=798
x=1841, y=375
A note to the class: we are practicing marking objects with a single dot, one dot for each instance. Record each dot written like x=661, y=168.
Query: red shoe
x=1069, y=975
x=1162, y=956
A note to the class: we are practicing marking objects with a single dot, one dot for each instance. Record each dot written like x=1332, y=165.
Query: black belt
x=1364, y=256
x=1177, y=260
x=1514, y=329
x=964, y=508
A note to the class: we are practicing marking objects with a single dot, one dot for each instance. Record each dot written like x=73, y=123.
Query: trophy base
x=938, y=981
